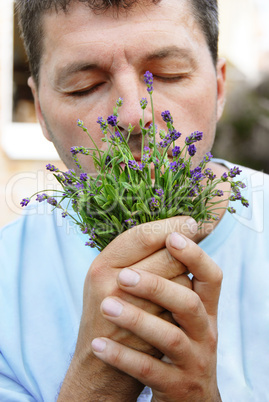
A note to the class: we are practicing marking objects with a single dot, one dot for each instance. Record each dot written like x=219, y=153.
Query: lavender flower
x=143, y=103
x=197, y=175
x=231, y=210
x=234, y=171
x=52, y=201
x=217, y=193
x=64, y=214
x=173, y=166
x=133, y=165
x=207, y=158
x=25, y=201
x=166, y=115
x=41, y=197
x=209, y=174
x=148, y=79
x=192, y=150
x=224, y=177
x=175, y=151
x=103, y=124
x=174, y=134
x=154, y=204
x=159, y=192
x=80, y=123
x=131, y=222
x=83, y=177
x=244, y=202
x=52, y=168
x=112, y=120
x=194, y=137
x=119, y=102
x=117, y=138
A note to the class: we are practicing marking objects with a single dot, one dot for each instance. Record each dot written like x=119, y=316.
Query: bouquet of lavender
x=123, y=193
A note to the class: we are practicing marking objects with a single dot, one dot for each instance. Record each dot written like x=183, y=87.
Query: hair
x=30, y=13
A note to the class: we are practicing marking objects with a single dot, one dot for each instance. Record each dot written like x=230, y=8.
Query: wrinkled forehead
x=147, y=10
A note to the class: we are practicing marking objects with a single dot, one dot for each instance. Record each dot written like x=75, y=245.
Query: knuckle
x=135, y=319
x=212, y=340
x=156, y=287
x=117, y=357
x=146, y=368
x=175, y=267
x=194, y=304
x=173, y=340
x=218, y=276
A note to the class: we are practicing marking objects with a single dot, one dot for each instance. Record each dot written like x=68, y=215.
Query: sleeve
x=10, y=389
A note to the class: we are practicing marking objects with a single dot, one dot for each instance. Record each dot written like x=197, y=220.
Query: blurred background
x=242, y=135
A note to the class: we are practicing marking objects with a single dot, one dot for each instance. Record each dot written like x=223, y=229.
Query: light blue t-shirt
x=43, y=264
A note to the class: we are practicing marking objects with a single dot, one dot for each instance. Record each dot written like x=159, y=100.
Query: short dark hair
x=30, y=14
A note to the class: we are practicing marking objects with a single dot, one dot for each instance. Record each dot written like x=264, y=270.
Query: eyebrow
x=169, y=52
x=71, y=69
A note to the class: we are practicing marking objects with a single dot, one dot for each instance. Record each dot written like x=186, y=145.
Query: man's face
x=91, y=60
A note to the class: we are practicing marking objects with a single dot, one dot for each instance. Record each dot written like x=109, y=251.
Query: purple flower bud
x=148, y=79
x=83, y=177
x=194, y=137
x=25, y=201
x=52, y=201
x=41, y=197
x=166, y=115
x=131, y=222
x=244, y=202
x=119, y=102
x=207, y=158
x=224, y=177
x=192, y=150
x=231, y=210
x=234, y=171
x=209, y=174
x=143, y=103
x=52, y=168
x=176, y=151
x=159, y=192
x=154, y=204
x=112, y=120
x=133, y=165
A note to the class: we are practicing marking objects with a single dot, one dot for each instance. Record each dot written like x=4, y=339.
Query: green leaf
x=117, y=223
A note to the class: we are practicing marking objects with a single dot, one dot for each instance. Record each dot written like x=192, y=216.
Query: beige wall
x=18, y=178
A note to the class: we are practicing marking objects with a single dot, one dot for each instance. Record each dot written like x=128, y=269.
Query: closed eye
x=171, y=78
x=86, y=91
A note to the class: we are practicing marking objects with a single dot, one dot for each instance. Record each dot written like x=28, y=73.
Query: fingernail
x=177, y=241
x=98, y=345
x=128, y=277
x=193, y=226
x=111, y=307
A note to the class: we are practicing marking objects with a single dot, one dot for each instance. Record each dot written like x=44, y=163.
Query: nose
x=132, y=89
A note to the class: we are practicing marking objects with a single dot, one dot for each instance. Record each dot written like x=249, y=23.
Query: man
x=144, y=321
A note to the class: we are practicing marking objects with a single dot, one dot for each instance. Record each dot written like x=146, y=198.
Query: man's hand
x=187, y=372
x=141, y=248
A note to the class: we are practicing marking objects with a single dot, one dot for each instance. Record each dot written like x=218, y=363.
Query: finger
x=207, y=274
x=166, y=337
x=161, y=263
x=184, y=304
x=143, y=240
x=144, y=368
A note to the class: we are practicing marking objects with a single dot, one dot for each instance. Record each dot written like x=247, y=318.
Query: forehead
x=82, y=33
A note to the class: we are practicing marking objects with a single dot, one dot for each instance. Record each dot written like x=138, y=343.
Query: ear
x=38, y=110
x=221, y=86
